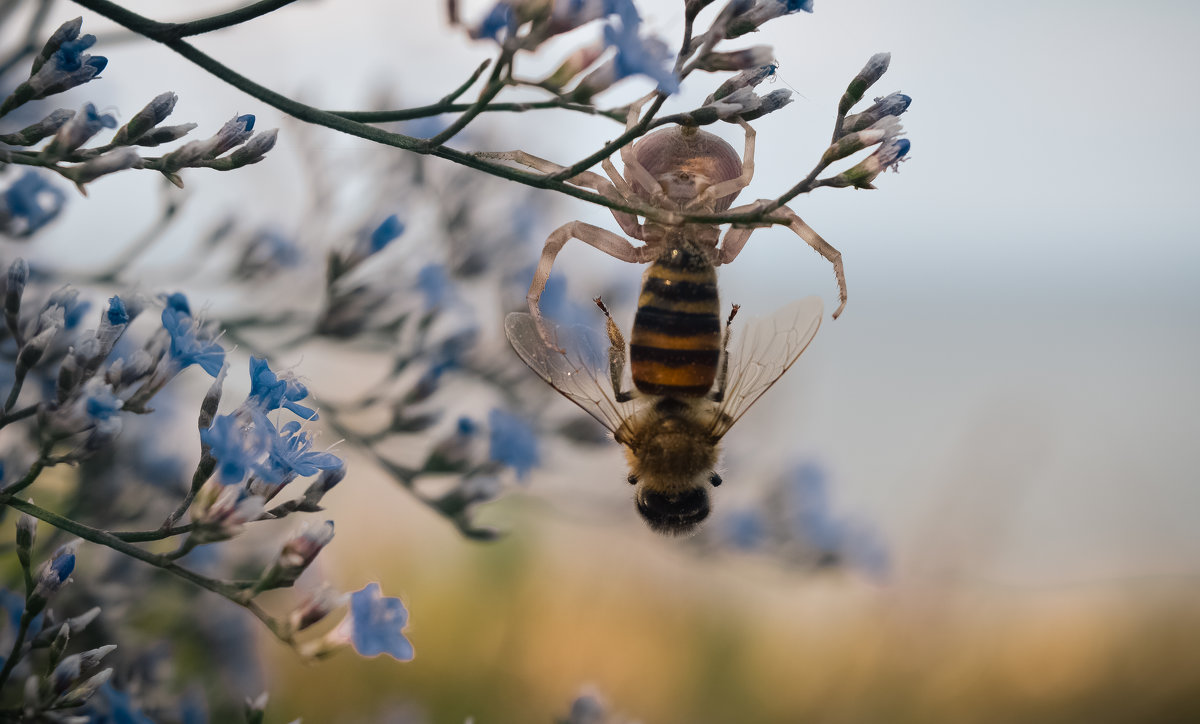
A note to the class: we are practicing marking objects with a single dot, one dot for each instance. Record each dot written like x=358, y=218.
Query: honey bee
x=677, y=353
x=683, y=401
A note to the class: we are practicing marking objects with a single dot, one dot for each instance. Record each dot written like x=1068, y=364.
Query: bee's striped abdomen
x=676, y=341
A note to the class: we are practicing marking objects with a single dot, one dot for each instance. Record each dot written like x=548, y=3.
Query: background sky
x=1017, y=360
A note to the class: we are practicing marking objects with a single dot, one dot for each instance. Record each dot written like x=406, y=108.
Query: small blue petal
x=434, y=285
x=386, y=233
x=99, y=62
x=501, y=17
x=512, y=441
x=377, y=624
x=73, y=313
x=33, y=199
x=247, y=121
x=466, y=426
x=186, y=347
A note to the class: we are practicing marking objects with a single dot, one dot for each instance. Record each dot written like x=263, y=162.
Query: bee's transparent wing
x=762, y=353
x=575, y=372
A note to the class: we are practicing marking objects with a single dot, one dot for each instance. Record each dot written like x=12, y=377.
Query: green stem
x=14, y=655
x=228, y=19
x=100, y=537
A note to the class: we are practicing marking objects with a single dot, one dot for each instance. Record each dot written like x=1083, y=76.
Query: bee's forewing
x=763, y=352
x=575, y=372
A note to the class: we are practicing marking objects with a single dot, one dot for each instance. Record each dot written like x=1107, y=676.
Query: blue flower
x=32, y=199
x=377, y=624
x=186, y=347
x=93, y=120
x=388, y=231
x=247, y=121
x=640, y=56
x=288, y=453
x=101, y=404
x=270, y=392
x=116, y=312
x=512, y=441
x=179, y=302
x=794, y=6
x=235, y=447
x=500, y=17
x=69, y=56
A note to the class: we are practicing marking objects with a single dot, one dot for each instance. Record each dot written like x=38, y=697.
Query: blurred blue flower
x=640, y=56
x=434, y=284
x=13, y=605
x=93, y=120
x=114, y=706
x=269, y=392
x=745, y=529
x=234, y=446
x=377, y=624
x=73, y=312
x=512, y=441
x=500, y=17
x=32, y=199
x=288, y=453
x=794, y=6
x=388, y=231
x=186, y=347
x=100, y=403
x=807, y=507
x=116, y=312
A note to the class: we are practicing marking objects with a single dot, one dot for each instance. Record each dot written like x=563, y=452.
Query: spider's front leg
x=606, y=241
x=737, y=237
x=587, y=179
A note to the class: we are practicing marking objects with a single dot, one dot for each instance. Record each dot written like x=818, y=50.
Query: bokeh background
x=1008, y=403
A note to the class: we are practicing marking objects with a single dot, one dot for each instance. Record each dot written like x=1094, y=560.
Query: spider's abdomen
x=675, y=345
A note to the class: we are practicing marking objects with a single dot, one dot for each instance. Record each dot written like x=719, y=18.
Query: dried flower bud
x=884, y=129
x=749, y=78
x=35, y=132
x=26, y=535
x=316, y=607
x=111, y=162
x=755, y=57
x=769, y=103
x=144, y=120
x=165, y=134
x=888, y=155
x=871, y=72
x=892, y=105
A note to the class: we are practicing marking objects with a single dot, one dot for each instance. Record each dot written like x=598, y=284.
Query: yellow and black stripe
x=676, y=341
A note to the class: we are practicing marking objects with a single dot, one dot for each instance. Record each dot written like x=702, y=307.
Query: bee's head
x=677, y=512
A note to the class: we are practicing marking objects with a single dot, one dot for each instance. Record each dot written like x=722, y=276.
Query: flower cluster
x=62, y=65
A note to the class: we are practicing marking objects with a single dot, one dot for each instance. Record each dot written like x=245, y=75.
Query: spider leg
x=615, y=246
x=736, y=238
x=732, y=186
x=587, y=179
x=635, y=172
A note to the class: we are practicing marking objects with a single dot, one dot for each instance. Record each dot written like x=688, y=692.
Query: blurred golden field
x=512, y=631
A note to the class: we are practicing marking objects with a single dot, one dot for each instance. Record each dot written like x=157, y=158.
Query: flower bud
x=255, y=709
x=33, y=133
x=144, y=120
x=26, y=535
x=871, y=72
x=212, y=399
x=59, y=644
x=892, y=105
x=254, y=149
x=53, y=575
x=755, y=57
x=75, y=132
x=18, y=274
x=322, y=485
x=298, y=552
x=67, y=31
x=575, y=64
x=888, y=155
x=316, y=606
x=769, y=103
x=111, y=162
x=749, y=78
x=884, y=129
x=80, y=694
x=165, y=134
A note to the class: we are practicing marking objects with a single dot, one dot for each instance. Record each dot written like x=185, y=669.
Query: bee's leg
x=718, y=395
x=587, y=179
x=615, y=246
x=616, y=353
x=735, y=239
x=733, y=185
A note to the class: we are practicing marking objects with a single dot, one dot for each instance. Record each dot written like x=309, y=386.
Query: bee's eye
x=715, y=480
x=632, y=479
